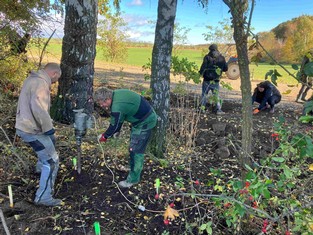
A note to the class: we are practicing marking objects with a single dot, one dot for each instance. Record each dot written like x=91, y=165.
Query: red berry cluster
x=245, y=192
x=255, y=204
x=308, y=129
x=275, y=135
x=245, y=189
x=265, y=223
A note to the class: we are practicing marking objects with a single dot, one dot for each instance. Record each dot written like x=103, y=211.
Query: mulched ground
x=94, y=196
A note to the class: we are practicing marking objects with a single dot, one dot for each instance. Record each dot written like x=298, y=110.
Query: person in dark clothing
x=18, y=46
x=307, y=81
x=126, y=105
x=267, y=95
x=211, y=69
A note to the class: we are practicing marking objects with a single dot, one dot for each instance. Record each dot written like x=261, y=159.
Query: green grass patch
x=139, y=56
x=258, y=72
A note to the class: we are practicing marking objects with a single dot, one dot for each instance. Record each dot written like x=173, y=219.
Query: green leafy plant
x=308, y=113
x=270, y=192
x=206, y=227
x=273, y=74
x=13, y=71
x=179, y=183
x=183, y=67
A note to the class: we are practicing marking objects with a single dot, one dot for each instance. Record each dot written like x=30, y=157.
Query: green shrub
x=13, y=71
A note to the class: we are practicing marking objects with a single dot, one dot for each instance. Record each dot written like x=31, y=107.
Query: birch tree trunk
x=238, y=9
x=75, y=89
x=160, y=71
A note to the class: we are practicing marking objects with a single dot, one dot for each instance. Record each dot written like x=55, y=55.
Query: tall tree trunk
x=75, y=89
x=237, y=9
x=160, y=71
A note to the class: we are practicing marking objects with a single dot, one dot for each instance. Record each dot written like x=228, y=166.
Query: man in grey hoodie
x=34, y=125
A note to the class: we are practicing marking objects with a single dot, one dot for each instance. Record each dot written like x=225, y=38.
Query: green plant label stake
x=157, y=185
x=74, y=162
x=97, y=228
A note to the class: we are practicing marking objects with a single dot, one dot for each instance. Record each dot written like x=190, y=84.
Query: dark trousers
x=274, y=99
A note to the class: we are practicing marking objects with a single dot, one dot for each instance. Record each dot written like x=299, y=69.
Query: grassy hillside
x=138, y=56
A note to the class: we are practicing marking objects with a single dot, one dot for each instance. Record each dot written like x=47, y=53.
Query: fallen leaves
x=170, y=213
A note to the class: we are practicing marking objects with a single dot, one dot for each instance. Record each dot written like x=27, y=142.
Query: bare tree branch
x=44, y=48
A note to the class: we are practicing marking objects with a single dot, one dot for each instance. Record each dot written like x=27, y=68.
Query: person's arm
x=225, y=67
x=268, y=93
x=115, y=124
x=203, y=66
x=253, y=97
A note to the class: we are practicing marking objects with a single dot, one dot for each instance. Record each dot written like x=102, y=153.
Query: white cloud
x=133, y=34
x=135, y=3
x=136, y=20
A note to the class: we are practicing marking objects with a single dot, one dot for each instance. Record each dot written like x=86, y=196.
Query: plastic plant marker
x=74, y=162
x=157, y=185
x=97, y=228
x=10, y=195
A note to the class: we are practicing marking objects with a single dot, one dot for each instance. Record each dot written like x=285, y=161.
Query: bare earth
x=93, y=195
x=132, y=77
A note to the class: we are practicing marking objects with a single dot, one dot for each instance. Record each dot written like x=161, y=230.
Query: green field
x=138, y=56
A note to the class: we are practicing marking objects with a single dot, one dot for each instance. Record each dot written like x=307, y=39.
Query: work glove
x=255, y=111
x=101, y=138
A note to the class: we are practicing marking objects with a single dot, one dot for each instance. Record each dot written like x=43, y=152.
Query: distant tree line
x=289, y=41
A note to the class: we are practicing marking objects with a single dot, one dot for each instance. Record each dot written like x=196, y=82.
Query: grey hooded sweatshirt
x=33, y=108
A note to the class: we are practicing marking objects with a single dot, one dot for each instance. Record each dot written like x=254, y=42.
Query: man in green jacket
x=126, y=105
x=34, y=125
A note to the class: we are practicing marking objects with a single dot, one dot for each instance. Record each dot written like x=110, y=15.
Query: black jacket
x=212, y=63
x=262, y=97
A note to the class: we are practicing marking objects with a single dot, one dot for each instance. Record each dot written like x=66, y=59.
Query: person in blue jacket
x=267, y=95
x=126, y=105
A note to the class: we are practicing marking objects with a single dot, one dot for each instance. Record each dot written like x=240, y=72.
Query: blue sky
x=267, y=14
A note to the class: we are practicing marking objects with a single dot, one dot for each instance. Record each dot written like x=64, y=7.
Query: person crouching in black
x=267, y=95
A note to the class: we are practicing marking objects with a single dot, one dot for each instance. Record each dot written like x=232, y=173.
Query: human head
x=213, y=47
x=103, y=97
x=54, y=71
x=261, y=87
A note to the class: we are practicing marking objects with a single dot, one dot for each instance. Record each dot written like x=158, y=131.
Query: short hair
x=213, y=47
x=53, y=67
x=102, y=94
